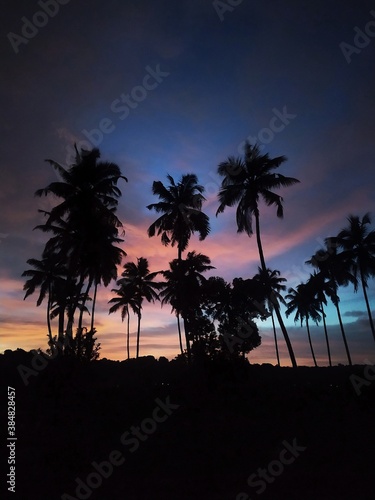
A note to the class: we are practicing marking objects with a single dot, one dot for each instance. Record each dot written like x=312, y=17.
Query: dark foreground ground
x=307, y=430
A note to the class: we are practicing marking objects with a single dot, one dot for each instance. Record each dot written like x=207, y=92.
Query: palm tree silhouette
x=245, y=182
x=271, y=283
x=172, y=293
x=334, y=270
x=319, y=288
x=137, y=276
x=85, y=227
x=302, y=301
x=183, y=289
x=126, y=299
x=181, y=208
x=358, y=245
x=44, y=276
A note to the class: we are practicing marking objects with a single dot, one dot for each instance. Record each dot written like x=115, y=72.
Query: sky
x=176, y=87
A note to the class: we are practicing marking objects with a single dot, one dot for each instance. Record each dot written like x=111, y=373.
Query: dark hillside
x=231, y=422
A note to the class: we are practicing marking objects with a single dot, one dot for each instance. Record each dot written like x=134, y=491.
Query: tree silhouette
x=302, y=301
x=183, y=289
x=271, y=282
x=245, y=182
x=44, y=276
x=126, y=298
x=137, y=278
x=84, y=229
x=233, y=309
x=334, y=269
x=181, y=208
x=320, y=288
x=358, y=244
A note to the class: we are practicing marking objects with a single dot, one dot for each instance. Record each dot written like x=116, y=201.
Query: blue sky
x=221, y=80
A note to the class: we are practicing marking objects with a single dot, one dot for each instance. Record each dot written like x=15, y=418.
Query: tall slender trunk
x=179, y=333
x=274, y=299
x=343, y=333
x=73, y=305
x=286, y=337
x=93, y=307
x=368, y=305
x=275, y=337
x=50, y=340
x=128, y=336
x=309, y=336
x=90, y=333
x=138, y=333
x=186, y=328
x=83, y=304
x=179, y=256
x=259, y=242
x=61, y=322
x=326, y=334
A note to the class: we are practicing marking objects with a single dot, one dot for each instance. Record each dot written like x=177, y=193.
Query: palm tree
x=334, y=270
x=84, y=226
x=183, y=289
x=358, y=245
x=138, y=277
x=172, y=293
x=245, y=182
x=271, y=283
x=302, y=301
x=181, y=206
x=87, y=186
x=319, y=288
x=44, y=276
x=126, y=299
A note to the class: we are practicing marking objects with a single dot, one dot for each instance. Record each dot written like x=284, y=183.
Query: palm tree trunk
x=311, y=347
x=83, y=304
x=259, y=242
x=186, y=328
x=368, y=305
x=50, y=340
x=179, y=256
x=275, y=337
x=326, y=334
x=72, y=307
x=264, y=268
x=343, y=334
x=128, y=336
x=61, y=323
x=179, y=333
x=93, y=307
x=286, y=337
x=138, y=333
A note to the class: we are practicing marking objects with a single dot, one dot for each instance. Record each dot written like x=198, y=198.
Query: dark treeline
x=215, y=319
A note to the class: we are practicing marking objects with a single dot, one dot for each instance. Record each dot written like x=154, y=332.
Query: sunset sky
x=177, y=87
